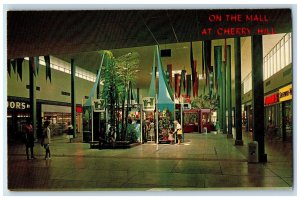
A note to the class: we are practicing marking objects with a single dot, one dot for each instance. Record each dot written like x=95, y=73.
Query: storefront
x=248, y=117
x=18, y=111
x=60, y=117
x=278, y=111
x=273, y=113
x=285, y=97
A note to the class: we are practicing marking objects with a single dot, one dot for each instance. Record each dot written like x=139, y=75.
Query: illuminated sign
x=78, y=109
x=17, y=105
x=148, y=103
x=271, y=99
x=285, y=93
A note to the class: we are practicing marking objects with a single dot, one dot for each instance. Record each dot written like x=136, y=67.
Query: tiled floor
x=202, y=162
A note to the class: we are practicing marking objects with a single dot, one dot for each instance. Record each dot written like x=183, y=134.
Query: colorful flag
x=14, y=64
x=192, y=63
x=182, y=80
x=20, y=67
x=189, y=85
x=169, y=68
x=8, y=67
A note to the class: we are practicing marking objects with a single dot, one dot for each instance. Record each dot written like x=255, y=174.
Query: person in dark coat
x=29, y=140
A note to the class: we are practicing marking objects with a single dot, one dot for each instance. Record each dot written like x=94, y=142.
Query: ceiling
x=80, y=34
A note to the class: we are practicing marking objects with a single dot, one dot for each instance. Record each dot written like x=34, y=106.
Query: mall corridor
x=203, y=162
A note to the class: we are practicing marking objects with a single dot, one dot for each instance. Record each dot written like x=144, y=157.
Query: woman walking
x=46, y=139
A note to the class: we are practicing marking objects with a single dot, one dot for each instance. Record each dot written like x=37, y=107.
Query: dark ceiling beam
x=172, y=27
x=148, y=29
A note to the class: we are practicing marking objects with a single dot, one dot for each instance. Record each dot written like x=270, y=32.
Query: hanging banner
x=148, y=103
x=169, y=68
x=177, y=85
x=285, y=93
x=189, y=85
x=152, y=91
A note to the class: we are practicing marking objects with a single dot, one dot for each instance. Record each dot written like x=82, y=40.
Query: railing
x=278, y=58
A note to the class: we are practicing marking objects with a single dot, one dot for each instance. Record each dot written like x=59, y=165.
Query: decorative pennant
x=165, y=94
x=94, y=88
x=20, y=67
x=176, y=88
x=48, y=69
x=189, y=85
x=169, y=68
x=192, y=63
x=14, y=64
x=207, y=59
x=203, y=58
x=195, y=79
x=151, y=92
x=182, y=80
x=8, y=67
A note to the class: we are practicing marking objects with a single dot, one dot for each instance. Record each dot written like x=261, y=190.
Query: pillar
x=228, y=92
x=32, y=96
x=218, y=65
x=224, y=98
x=238, y=91
x=73, y=99
x=258, y=95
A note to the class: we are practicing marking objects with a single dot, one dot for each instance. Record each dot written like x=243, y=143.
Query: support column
x=73, y=99
x=224, y=98
x=138, y=95
x=258, y=95
x=97, y=116
x=238, y=91
x=32, y=95
x=228, y=94
x=218, y=64
x=247, y=107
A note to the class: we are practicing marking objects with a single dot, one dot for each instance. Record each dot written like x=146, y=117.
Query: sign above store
x=271, y=99
x=285, y=93
x=17, y=105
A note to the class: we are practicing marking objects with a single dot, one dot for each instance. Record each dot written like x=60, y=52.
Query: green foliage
x=118, y=75
x=204, y=101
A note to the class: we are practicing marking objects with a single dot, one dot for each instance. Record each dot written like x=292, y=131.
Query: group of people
x=177, y=131
x=150, y=132
x=29, y=140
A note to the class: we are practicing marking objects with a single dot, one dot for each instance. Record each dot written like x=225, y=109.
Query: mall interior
x=151, y=100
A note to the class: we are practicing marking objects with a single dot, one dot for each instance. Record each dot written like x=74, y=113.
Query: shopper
x=47, y=139
x=70, y=131
x=171, y=137
x=271, y=130
x=152, y=130
x=29, y=139
x=178, y=131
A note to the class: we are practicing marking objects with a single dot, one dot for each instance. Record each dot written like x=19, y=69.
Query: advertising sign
x=285, y=93
x=148, y=103
x=99, y=105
